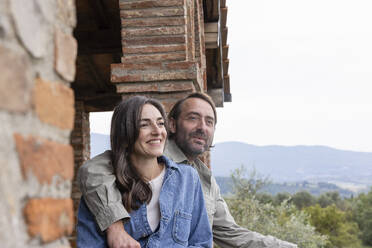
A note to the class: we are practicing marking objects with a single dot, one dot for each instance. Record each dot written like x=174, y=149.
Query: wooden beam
x=100, y=13
x=225, y=67
x=100, y=82
x=225, y=52
x=223, y=17
x=211, y=35
x=224, y=36
x=99, y=41
x=211, y=11
x=222, y=3
x=217, y=95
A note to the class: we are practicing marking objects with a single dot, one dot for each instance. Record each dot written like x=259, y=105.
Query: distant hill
x=347, y=169
x=294, y=163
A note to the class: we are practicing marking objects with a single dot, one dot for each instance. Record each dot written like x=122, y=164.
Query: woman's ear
x=172, y=125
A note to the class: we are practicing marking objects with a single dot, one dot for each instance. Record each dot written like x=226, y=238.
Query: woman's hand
x=117, y=237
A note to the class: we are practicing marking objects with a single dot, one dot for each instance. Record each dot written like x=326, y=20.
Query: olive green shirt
x=97, y=183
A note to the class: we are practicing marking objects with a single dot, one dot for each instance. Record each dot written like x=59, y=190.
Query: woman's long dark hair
x=124, y=133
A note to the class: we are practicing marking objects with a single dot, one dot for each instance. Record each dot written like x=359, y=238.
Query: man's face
x=194, y=129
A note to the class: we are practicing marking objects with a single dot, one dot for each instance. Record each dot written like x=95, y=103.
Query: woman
x=165, y=200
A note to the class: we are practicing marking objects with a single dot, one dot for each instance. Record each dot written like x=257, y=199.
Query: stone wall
x=37, y=61
x=80, y=141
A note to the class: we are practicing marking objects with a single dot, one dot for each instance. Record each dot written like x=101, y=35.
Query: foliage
x=362, y=214
x=334, y=223
x=284, y=221
x=303, y=199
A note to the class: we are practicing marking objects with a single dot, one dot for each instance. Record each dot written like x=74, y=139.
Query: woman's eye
x=144, y=124
x=161, y=123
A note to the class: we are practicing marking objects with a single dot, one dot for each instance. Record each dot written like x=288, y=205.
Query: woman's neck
x=148, y=168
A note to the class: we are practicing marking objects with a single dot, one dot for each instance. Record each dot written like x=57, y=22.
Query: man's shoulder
x=100, y=162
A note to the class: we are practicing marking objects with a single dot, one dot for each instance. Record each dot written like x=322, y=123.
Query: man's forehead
x=197, y=105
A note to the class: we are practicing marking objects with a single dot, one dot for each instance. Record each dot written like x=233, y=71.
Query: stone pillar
x=37, y=60
x=159, y=48
x=80, y=141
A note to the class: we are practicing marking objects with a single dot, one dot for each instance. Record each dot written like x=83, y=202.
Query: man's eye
x=161, y=123
x=210, y=123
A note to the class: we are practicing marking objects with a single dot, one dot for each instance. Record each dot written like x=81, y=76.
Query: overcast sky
x=300, y=74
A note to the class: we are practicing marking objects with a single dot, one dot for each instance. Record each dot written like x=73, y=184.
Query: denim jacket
x=183, y=221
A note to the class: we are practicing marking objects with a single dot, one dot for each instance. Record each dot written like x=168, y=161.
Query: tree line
x=327, y=220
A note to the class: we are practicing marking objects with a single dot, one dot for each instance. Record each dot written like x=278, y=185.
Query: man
x=192, y=123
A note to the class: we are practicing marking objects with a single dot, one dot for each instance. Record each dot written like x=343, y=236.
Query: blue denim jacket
x=183, y=221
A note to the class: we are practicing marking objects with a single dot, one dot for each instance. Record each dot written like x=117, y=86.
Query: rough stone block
x=65, y=55
x=154, y=49
x=54, y=103
x=154, y=57
x=44, y=158
x=152, y=12
x=49, y=218
x=149, y=4
x=176, y=86
x=15, y=81
x=153, y=22
x=147, y=31
x=154, y=40
x=32, y=27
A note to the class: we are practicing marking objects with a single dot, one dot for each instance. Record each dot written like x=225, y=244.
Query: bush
x=284, y=221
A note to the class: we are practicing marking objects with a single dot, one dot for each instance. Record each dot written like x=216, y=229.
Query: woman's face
x=152, y=134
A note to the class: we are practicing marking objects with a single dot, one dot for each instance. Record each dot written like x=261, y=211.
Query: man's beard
x=188, y=148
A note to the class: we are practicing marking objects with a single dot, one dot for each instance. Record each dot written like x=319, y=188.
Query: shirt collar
x=173, y=152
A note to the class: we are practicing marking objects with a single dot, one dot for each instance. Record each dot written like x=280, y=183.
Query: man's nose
x=202, y=124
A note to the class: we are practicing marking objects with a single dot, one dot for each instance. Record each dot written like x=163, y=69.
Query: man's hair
x=176, y=109
x=125, y=126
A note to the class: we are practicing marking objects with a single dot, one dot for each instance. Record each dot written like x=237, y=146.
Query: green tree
x=303, y=199
x=280, y=197
x=284, y=221
x=334, y=223
x=362, y=214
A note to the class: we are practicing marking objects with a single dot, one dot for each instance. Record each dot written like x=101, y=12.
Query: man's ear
x=172, y=125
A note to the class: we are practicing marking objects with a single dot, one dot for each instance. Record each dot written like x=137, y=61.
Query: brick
x=173, y=75
x=44, y=158
x=147, y=31
x=32, y=27
x=155, y=12
x=137, y=87
x=153, y=22
x=54, y=104
x=125, y=66
x=154, y=49
x=155, y=57
x=180, y=65
x=120, y=77
x=49, y=218
x=125, y=78
x=15, y=82
x=149, y=4
x=65, y=55
x=176, y=86
x=154, y=40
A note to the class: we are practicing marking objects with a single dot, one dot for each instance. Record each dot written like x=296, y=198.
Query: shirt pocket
x=181, y=227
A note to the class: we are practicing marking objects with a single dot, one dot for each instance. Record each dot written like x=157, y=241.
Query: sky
x=300, y=74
